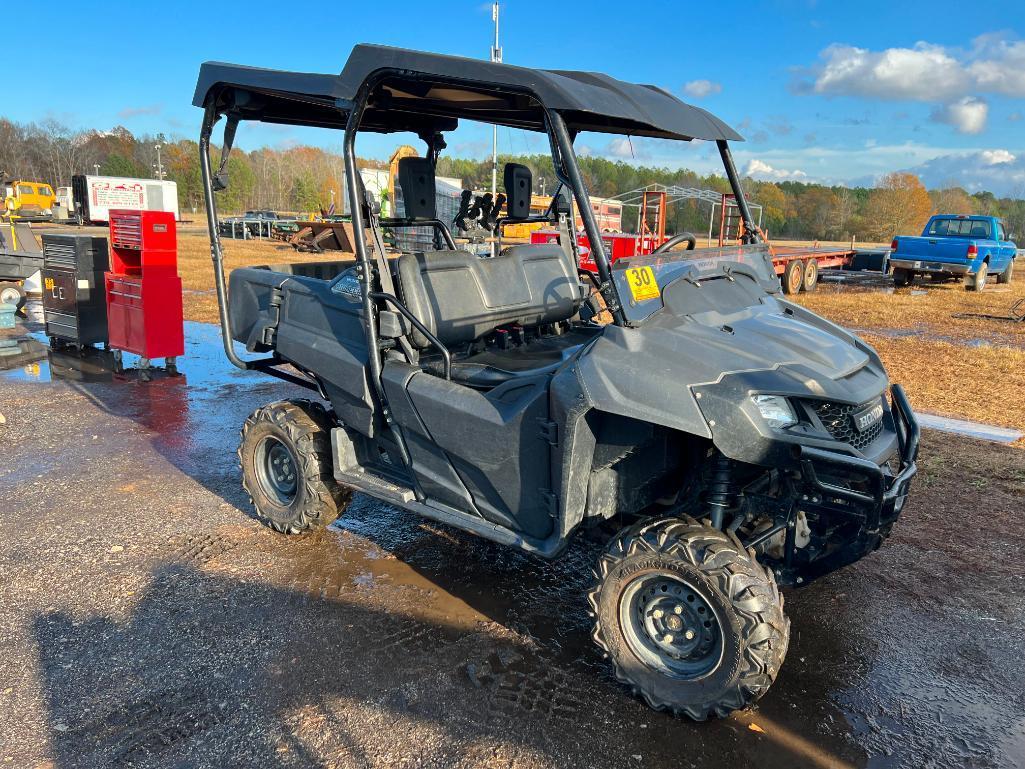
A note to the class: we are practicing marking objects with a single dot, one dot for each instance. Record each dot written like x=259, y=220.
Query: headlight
x=775, y=410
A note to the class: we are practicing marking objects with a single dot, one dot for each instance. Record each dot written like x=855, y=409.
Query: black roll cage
x=560, y=137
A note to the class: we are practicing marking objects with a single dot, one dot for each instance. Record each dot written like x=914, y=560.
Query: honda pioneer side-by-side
x=729, y=441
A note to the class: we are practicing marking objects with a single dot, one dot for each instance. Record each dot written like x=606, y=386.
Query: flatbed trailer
x=798, y=267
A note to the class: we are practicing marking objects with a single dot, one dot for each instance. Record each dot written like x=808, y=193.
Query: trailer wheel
x=1008, y=274
x=793, y=276
x=902, y=277
x=811, y=275
x=977, y=281
x=285, y=455
x=691, y=621
x=12, y=293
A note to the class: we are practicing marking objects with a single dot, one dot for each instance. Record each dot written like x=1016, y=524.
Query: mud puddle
x=971, y=429
x=923, y=333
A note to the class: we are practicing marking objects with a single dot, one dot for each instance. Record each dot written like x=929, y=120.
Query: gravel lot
x=147, y=620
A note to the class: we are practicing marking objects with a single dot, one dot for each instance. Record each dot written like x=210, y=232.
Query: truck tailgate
x=932, y=249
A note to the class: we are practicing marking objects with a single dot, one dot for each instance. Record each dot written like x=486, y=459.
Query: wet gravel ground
x=147, y=621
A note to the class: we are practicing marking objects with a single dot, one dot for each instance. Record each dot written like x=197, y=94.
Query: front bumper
x=887, y=488
x=925, y=265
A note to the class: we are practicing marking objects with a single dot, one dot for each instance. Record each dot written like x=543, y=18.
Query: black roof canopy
x=427, y=91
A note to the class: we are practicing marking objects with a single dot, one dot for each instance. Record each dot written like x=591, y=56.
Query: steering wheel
x=676, y=240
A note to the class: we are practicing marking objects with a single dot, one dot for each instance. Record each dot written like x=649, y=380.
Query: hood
x=649, y=371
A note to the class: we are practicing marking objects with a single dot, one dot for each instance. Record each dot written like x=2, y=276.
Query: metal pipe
x=404, y=311
x=576, y=183
x=209, y=118
x=738, y=192
x=364, y=270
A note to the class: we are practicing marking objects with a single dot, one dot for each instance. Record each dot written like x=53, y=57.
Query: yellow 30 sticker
x=642, y=283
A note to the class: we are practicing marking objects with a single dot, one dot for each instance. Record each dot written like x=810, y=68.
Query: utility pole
x=496, y=56
x=97, y=167
x=160, y=166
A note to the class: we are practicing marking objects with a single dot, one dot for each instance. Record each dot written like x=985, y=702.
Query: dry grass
x=927, y=308
x=969, y=368
x=196, y=269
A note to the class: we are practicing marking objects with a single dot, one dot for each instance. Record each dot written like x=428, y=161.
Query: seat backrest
x=416, y=178
x=460, y=297
x=980, y=230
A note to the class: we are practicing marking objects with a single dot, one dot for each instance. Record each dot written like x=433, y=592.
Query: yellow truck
x=28, y=200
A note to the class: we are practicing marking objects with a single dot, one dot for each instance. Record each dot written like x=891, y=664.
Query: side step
x=347, y=471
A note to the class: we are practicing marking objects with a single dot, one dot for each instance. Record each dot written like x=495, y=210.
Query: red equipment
x=144, y=292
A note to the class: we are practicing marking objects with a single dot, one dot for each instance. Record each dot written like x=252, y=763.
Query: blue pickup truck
x=969, y=247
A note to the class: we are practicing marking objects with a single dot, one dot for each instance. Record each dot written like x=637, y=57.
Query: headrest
x=416, y=178
x=518, y=184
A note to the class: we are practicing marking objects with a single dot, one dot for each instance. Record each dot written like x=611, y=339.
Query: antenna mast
x=496, y=56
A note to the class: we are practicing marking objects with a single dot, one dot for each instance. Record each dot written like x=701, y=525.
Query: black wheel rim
x=276, y=471
x=670, y=626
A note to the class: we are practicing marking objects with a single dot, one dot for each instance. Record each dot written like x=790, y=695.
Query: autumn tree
x=817, y=210
x=953, y=200
x=899, y=205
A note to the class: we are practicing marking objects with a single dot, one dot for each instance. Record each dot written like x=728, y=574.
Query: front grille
x=836, y=417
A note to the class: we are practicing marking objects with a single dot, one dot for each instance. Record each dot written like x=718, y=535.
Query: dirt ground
x=146, y=620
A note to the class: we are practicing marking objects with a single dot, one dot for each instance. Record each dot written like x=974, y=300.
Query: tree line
x=303, y=178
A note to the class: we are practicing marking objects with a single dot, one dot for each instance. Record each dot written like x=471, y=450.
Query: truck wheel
x=811, y=275
x=793, y=276
x=1008, y=274
x=691, y=621
x=977, y=281
x=285, y=454
x=902, y=277
x=12, y=293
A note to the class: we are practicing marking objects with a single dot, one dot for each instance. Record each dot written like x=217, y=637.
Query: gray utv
x=730, y=442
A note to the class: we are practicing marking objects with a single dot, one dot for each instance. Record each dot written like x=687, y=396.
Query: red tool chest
x=144, y=292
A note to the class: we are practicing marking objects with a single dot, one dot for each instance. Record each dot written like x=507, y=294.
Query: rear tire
x=793, y=277
x=1007, y=275
x=902, y=277
x=692, y=623
x=285, y=455
x=811, y=275
x=977, y=281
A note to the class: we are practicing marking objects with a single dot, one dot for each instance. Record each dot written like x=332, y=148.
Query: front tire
x=1007, y=275
x=285, y=455
x=692, y=622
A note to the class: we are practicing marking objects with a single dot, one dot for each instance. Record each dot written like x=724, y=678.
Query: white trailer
x=95, y=196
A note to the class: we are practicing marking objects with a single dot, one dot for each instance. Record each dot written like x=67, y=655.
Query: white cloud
x=759, y=169
x=699, y=89
x=998, y=171
x=999, y=66
x=967, y=115
x=997, y=157
x=625, y=148
x=923, y=73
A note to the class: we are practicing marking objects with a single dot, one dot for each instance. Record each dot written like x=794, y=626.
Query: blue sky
x=827, y=91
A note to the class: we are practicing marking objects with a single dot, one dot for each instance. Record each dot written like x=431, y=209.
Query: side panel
x=495, y=442
x=322, y=332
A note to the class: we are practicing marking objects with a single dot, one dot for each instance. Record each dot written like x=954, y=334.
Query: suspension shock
x=721, y=492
